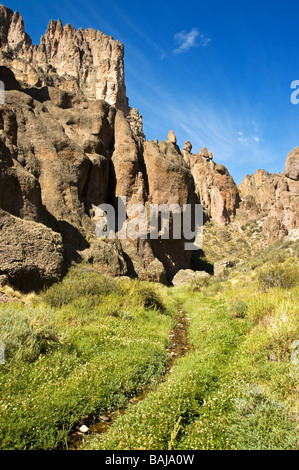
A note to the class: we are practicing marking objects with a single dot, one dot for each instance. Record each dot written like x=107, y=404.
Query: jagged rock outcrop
x=80, y=61
x=62, y=153
x=169, y=181
x=87, y=61
x=273, y=198
x=215, y=188
x=171, y=137
x=69, y=142
x=291, y=170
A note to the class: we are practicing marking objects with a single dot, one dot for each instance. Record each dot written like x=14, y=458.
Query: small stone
x=105, y=419
x=3, y=280
x=84, y=429
x=295, y=357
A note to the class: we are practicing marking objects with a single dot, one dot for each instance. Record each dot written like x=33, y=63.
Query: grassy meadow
x=89, y=345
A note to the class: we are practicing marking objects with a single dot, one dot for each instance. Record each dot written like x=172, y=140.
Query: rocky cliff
x=272, y=198
x=85, y=62
x=69, y=141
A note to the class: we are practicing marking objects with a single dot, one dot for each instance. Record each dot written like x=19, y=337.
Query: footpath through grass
x=222, y=395
x=87, y=346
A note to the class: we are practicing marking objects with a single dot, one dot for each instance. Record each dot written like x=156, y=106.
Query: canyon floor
x=212, y=364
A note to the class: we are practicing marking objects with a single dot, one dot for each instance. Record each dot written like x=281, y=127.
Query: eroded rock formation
x=273, y=198
x=69, y=142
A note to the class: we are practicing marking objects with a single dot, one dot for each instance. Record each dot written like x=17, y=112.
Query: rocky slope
x=69, y=141
x=272, y=198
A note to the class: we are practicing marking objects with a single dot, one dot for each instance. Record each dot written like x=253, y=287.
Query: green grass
x=237, y=389
x=84, y=348
x=88, y=345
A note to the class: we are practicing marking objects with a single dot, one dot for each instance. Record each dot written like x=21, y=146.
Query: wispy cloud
x=187, y=40
x=247, y=140
x=131, y=23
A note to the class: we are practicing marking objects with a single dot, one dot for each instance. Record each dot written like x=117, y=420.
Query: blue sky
x=218, y=73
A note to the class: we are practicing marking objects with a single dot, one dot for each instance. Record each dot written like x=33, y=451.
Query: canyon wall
x=69, y=141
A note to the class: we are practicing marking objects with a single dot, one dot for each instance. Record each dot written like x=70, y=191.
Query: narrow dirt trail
x=180, y=345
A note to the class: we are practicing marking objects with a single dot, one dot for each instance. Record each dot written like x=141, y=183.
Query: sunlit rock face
x=71, y=59
x=272, y=197
x=69, y=142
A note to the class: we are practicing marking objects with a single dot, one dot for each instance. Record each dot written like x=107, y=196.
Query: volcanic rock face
x=69, y=142
x=169, y=179
x=84, y=62
x=88, y=60
x=291, y=170
x=215, y=188
x=275, y=198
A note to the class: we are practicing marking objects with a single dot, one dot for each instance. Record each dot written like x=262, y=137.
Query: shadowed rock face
x=69, y=141
x=31, y=255
x=169, y=182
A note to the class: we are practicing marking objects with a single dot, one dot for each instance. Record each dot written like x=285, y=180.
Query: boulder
x=292, y=165
x=221, y=266
x=186, y=276
x=31, y=255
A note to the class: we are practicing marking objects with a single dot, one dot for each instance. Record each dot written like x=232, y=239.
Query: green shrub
x=27, y=332
x=261, y=424
x=78, y=284
x=238, y=309
x=199, y=284
x=279, y=275
x=148, y=297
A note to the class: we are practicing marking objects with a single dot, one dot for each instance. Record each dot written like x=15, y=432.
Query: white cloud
x=247, y=140
x=186, y=40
